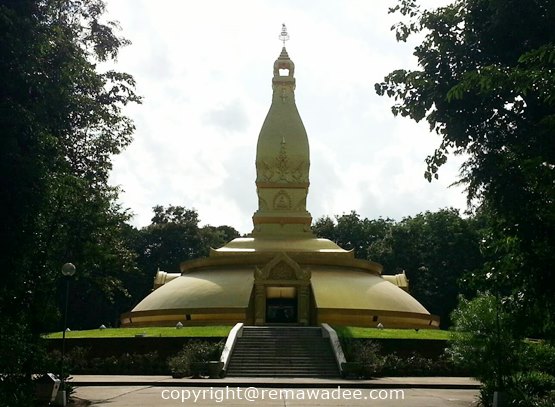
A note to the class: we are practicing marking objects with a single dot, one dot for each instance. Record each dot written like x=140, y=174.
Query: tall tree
x=172, y=237
x=214, y=237
x=61, y=123
x=486, y=85
x=436, y=250
x=351, y=232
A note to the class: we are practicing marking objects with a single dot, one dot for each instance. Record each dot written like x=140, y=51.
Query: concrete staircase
x=282, y=352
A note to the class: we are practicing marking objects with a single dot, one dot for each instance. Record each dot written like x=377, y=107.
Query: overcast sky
x=204, y=69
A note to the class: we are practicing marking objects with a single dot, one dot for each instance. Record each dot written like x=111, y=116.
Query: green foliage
x=434, y=249
x=485, y=84
x=486, y=340
x=539, y=356
x=80, y=361
x=489, y=343
x=418, y=365
x=364, y=357
x=181, y=365
x=215, y=237
x=351, y=232
x=20, y=352
x=528, y=388
x=61, y=124
x=172, y=237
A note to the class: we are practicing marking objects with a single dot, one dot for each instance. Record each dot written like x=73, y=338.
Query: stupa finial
x=284, y=36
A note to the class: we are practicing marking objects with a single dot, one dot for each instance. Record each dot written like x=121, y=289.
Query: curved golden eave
x=280, y=244
x=217, y=288
x=227, y=259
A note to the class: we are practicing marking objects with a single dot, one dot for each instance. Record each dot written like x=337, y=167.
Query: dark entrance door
x=281, y=310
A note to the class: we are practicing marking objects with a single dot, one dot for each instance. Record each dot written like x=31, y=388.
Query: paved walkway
x=122, y=391
x=382, y=382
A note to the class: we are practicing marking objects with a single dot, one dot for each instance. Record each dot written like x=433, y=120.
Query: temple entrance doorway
x=281, y=305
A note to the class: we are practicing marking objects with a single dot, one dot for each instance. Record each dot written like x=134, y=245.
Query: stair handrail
x=236, y=332
x=329, y=332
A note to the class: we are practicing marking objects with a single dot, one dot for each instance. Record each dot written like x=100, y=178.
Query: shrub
x=413, y=365
x=194, y=352
x=364, y=354
x=539, y=356
x=487, y=341
x=418, y=365
x=484, y=340
x=129, y=363
x=79, y=361
x=528, y=388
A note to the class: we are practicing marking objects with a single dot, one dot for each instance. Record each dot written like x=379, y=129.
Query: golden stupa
x=282, y=273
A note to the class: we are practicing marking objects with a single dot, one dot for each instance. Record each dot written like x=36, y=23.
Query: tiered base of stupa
x=261, y=281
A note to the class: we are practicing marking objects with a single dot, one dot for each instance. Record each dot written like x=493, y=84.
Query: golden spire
x=282, y=159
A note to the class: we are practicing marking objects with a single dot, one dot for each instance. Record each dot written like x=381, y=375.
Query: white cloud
x=205, y=68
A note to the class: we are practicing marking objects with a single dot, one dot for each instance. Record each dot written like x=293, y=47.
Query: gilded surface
x=282, y=267
x=279, y=170
x=282, y=201
x=282, y=162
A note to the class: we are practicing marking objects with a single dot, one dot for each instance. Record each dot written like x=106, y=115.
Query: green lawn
x=192, y=331
x=355, y=332
x=223, y=331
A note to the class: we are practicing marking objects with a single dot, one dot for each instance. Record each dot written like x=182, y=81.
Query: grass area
x=191, y=331
x=355, y=332
x=223, y=331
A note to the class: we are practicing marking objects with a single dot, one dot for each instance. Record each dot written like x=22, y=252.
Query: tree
x=436, y=250
x=173, y=236
x=486, y=85
x=215, y=237
x=61, y=123
x=351, y=232
x=485, y=342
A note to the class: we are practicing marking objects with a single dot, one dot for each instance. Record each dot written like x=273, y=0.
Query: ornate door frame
x=282, y=271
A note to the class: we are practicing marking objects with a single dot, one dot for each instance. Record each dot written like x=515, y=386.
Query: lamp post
x=68, y=270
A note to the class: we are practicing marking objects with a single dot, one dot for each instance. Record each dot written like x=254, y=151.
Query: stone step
x=283, y=374
x=278, y=353
x=282, y=343
x=281, y=335
x=289, y=342
x=285, y=362
x=282, y=352
x=253, y=353
x=299, y=357
x=269, y=349
x=260, y=343
x=282, y=331
x=281, y=368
